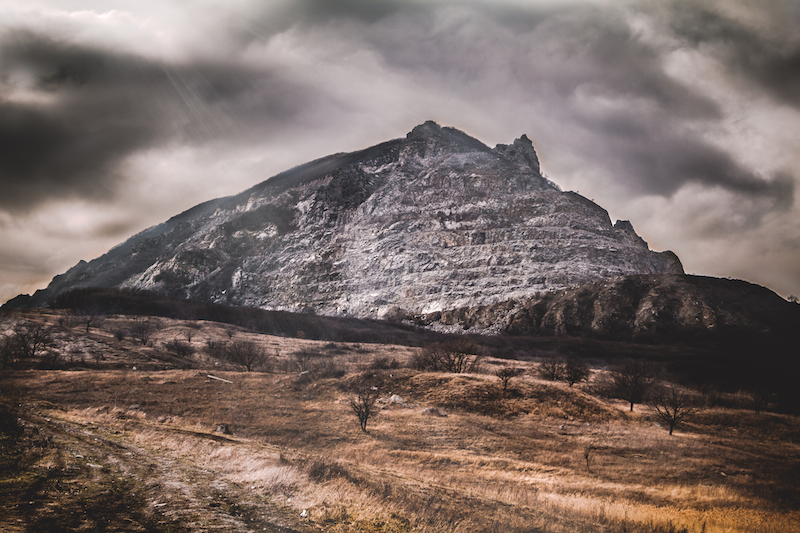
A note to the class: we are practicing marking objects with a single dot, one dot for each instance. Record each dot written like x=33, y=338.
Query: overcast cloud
x=683, y=117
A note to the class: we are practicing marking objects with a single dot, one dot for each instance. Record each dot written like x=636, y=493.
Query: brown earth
x=110, y=447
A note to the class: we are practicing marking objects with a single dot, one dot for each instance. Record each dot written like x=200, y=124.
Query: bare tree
x=304, y=359
x=632, y=381
x=587, y=452
x=759, y=399
x=362, y=402
x=507, y=373
x=456, y=356
x=247, y=354
x=26, y=341
x=575, y=371
x=89, y=316
x=65, y=318
x=142, y=329
x=551, y=368
x=672, y=404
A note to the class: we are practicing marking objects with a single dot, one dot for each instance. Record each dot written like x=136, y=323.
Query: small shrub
x=384, y=363
x=328, y=369
x=11, y=429
x=247, y=354
x=457, y=357
x=304, y=360
x=216, y=349
x=51, y=360
x=320, y=471
x=508, y=373
x=179, y=347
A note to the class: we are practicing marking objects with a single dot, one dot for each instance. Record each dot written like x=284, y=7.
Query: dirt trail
x=80, y=474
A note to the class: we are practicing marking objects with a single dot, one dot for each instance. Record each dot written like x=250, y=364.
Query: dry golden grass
x=499, y=461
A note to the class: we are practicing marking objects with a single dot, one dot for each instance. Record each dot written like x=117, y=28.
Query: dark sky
x=683, y=117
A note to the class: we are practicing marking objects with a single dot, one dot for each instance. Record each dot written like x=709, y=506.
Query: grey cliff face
x=432, y=222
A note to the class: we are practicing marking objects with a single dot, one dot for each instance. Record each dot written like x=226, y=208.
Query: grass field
x=123, y=439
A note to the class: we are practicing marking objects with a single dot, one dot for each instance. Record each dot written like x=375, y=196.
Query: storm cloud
x=683, y=116
x=91, y=108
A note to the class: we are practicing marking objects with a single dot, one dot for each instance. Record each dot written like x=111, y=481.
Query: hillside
x=104, y=432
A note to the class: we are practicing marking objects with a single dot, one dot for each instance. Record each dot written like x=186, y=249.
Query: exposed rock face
x=434, y=221
x=640, y=308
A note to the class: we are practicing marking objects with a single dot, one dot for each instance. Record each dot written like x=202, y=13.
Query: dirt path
x=80, y=475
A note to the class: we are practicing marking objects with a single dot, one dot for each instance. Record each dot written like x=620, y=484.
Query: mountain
x=427, y=223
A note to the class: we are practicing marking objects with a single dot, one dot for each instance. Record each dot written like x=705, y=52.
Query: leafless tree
x=759, y=399
x=672, y=404
x=632, y=381
x=303, y=359
x=507, y=373
x=26, y=341
x=587, y=452
x=575, y=371
x=65, y=318
x=247, y=354
x=456, y=356
x=551, y=368
x=89, y=316
x=362, y=402
x=142, y=329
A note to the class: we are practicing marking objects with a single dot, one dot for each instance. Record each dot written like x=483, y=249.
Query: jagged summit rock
x=433, y=221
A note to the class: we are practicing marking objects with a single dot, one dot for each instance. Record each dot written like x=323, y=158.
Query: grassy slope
x=499, y=461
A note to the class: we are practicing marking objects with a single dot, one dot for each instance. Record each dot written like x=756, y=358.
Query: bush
x=457, y=357
x=384, y=363
x=551, y=368
x=25, y=342
x=179, y=347
x=11, y=428
x=215, y=349
x=507, y=373
x=142, y=329
x=243, y=353
x=575, y=371
x=320, y=470
x=327, y=369
x=362, y=402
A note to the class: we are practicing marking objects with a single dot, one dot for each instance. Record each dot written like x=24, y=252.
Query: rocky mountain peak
x=433, y=221
x=521, y=151
x=430, y=139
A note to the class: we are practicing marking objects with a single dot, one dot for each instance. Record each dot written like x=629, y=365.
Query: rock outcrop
x=661, y=308
x=430, y=222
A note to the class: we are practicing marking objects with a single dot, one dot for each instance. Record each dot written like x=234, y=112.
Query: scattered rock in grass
x=225, y=429
x=398, y=400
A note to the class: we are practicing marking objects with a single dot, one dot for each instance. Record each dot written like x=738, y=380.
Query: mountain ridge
x=433, y=221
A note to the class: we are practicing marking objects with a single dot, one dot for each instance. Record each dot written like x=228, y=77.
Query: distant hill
x=665, y=308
